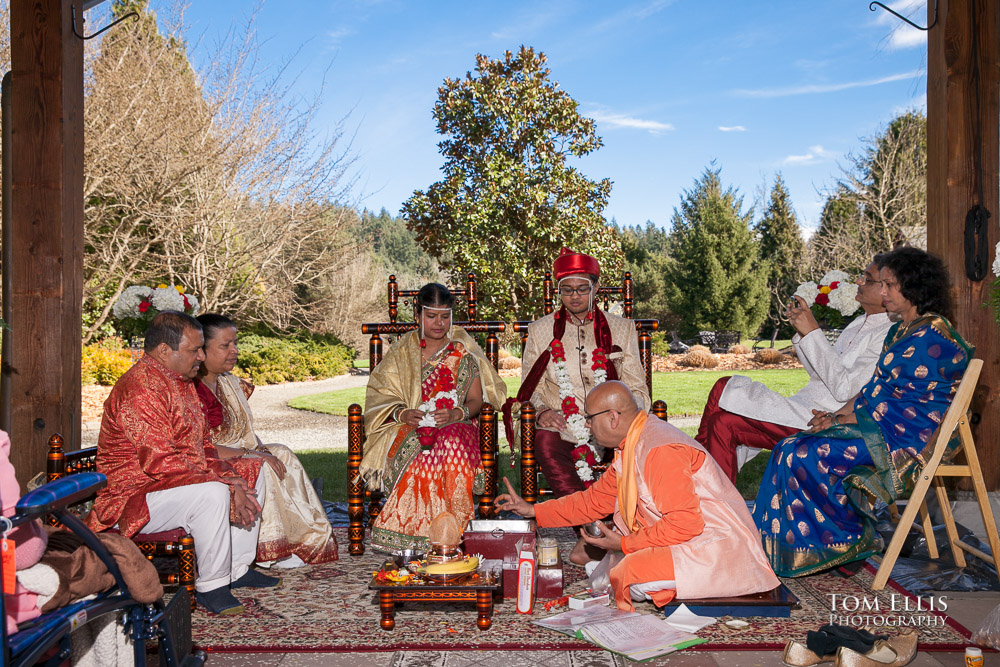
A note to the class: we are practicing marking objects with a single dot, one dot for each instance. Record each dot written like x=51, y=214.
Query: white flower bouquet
x=832, y=299
x=139, y=304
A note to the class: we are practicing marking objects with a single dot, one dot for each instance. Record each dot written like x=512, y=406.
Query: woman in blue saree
x=814, y=509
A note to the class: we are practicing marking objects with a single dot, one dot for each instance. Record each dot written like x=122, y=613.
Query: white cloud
x=732, y=128
x=904, y=36
x=617, y=120
x=336, y=36
x=828, y=87
x=816, y=154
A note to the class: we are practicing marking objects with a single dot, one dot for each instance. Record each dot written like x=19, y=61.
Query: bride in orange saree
x=429, y=387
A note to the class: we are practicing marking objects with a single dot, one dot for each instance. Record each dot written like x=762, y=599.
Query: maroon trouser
x=721, y=432
x=555, y=457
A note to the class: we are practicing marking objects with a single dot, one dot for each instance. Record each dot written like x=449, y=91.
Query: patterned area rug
x=329, y=608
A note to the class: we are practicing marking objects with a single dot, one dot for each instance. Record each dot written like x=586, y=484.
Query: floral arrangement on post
x=994, y=297
x=832, y=299
x=139, y=304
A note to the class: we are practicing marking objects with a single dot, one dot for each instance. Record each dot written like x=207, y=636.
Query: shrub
x=661, y=345
x=510, y=362
x=269, y=359
x=699, y=359
x=699, y=348
x=504, y=353
x=768, y=355
x=739, y=349
x=103, y=363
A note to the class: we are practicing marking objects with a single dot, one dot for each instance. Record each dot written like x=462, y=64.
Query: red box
x=550, y=582
x=499, y=540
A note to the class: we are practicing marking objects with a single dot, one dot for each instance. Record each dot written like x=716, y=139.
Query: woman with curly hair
x=814, y=509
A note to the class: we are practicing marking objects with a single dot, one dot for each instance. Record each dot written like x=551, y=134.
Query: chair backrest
x=395, y=296
x=394, y=327
x=959, y=406
x=605, y=295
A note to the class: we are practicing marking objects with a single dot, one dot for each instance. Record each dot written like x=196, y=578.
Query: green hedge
x=269, y=360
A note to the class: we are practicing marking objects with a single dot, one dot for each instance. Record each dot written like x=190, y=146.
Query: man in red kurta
x=681, y=527
x=152, y=450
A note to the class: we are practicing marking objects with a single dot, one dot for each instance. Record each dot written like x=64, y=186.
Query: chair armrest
x=61, y=493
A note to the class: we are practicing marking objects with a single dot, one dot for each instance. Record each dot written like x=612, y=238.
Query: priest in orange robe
x=152, y=450
x=681, y=527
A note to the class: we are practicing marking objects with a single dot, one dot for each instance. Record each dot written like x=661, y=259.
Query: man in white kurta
x=740, y=411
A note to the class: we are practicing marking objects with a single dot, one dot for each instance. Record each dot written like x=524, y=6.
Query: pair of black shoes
x=222, y=601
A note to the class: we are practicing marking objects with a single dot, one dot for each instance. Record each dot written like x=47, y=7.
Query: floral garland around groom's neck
x=575, y=421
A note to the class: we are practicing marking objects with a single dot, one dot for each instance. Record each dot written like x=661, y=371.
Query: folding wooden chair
x=934, y=473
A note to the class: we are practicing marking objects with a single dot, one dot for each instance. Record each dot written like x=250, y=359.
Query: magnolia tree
x=509, y=198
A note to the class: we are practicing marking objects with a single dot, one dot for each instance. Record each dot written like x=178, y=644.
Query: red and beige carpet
x=328, y=608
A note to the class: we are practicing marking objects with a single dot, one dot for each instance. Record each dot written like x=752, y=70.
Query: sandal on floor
x=796, y=654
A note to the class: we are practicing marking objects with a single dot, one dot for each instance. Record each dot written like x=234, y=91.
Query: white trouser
x=224, y=551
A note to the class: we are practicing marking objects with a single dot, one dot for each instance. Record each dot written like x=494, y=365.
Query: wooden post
x=963, y=103
x=41, y=365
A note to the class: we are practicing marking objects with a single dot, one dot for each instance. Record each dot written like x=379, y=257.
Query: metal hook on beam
x=111, y=25
x=872, y=6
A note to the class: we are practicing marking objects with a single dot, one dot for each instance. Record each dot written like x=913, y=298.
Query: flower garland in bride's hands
x=443, y=395
x=139, y=304
x=832, y=299
x=576, y=423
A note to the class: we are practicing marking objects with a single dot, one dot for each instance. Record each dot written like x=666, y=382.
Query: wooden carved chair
x=605, y=295
x=933, y=474
x=174, y=543
x=356, y=491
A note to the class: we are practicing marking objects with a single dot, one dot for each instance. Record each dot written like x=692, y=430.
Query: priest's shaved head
x=610, y=410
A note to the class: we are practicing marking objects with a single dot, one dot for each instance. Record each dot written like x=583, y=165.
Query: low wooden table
x=478, y=587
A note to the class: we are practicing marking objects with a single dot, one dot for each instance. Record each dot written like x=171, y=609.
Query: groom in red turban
x=568, y=353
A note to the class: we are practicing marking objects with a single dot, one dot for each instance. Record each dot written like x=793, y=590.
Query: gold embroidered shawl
x=237, y=428
x=395, y=383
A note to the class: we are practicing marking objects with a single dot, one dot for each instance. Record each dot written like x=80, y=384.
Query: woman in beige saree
x=294, y=528
x=433, y=380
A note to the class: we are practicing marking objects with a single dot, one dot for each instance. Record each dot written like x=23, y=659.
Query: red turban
x=570, y=263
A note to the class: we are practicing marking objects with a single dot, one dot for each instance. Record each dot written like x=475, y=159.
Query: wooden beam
x=41, y=369
x=963, y=104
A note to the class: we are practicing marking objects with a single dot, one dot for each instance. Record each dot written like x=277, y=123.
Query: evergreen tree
x=781, y=243
x=715, y=279
x=645, y=251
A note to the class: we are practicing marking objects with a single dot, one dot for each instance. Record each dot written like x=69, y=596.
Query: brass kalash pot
x=444, y=536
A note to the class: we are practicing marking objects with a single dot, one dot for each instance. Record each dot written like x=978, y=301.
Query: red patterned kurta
x=153, y=437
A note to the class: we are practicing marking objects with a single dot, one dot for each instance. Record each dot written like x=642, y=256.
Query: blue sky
x=759, y=87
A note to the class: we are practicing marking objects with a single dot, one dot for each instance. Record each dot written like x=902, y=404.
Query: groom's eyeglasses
x=570, y=291
x=589, y=417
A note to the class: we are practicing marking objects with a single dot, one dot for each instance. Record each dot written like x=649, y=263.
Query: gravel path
x=300, y=429
x=274, y=421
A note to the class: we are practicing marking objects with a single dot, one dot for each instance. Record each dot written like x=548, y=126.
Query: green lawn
x=685, y=393
x=332, y=467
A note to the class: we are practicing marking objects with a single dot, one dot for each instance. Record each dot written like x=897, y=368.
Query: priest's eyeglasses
x=589, y=417
x=566, y=290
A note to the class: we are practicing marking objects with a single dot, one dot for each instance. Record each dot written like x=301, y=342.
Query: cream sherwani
x=836, y=374
x=580, y=343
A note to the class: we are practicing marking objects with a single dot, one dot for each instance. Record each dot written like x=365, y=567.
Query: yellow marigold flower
x=825, y=289
x=179, y=288
x=162, y=286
